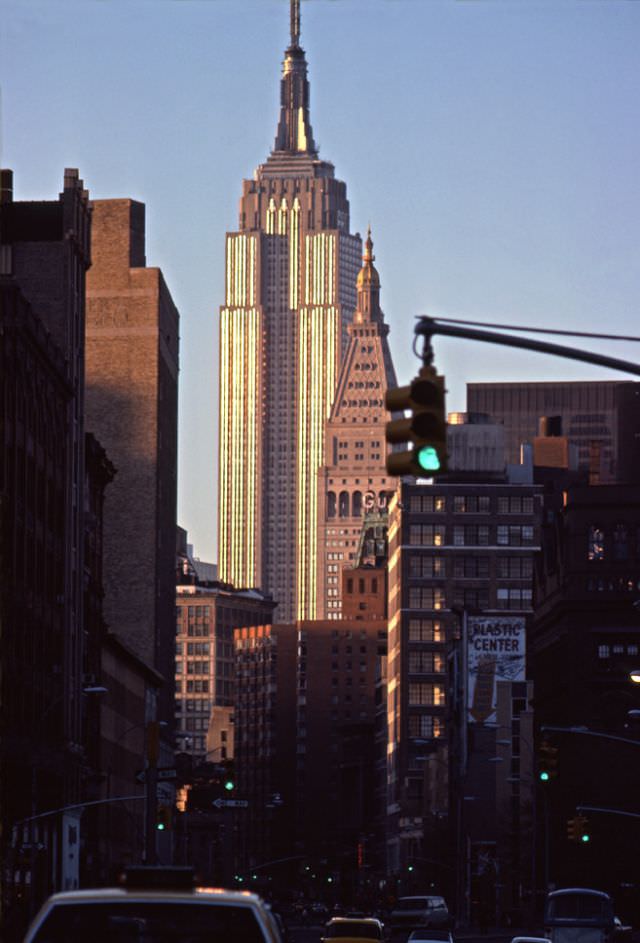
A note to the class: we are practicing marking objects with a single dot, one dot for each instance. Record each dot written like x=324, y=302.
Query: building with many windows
x=453, y=548
x=206, y=616
x=291, y=271
x=353, y=481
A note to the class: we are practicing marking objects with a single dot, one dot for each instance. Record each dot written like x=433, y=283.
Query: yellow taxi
x=353, y=930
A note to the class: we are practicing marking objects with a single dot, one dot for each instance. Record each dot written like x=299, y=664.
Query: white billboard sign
x=496, y=649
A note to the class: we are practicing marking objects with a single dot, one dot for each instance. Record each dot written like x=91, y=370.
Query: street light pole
x=151, y=791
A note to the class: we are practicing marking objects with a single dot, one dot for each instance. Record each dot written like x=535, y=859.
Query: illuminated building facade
x=291, y=273
x=353, y=481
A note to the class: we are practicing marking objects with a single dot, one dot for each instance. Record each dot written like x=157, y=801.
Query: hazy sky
x=493, y=146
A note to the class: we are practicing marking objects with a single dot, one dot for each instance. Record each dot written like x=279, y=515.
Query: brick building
x=131, y=405
x=353, y=482
x=44, y=254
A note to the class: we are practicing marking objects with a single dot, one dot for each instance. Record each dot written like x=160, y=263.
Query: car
x=425, y=910
x=530, y=939
x=154, y=905
x=429, y=935
x=353, y=930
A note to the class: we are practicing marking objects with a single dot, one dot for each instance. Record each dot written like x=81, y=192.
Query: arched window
x=331, y=504
x=357, y=503
x=343, y=508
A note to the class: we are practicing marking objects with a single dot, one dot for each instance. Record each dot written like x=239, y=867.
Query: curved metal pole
x=427, y=326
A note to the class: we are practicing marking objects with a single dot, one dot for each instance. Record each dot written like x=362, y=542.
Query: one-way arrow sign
x=162, y=773
x=230, y=803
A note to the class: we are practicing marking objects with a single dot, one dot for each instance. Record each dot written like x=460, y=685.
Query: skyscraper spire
x=368, y=286
x=295, y=23
x=294, y=134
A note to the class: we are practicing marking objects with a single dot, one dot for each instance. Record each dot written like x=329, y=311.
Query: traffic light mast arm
x=427, y=326
x=585, y=732
x=607, y=811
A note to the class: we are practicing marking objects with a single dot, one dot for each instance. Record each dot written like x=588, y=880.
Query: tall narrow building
x=291, y=273
x=353, y=480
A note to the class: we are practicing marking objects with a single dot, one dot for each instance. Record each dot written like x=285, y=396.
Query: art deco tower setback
x=291, y=273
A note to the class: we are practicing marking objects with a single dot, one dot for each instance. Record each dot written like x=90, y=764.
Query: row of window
x=435, y=597
x=476, y=567
x=613, y=544
x=471, y=504
x=475, y=535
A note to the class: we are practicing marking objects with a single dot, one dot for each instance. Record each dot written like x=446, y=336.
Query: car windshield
x=145, y=922
x=366, y=931
x=430, y=935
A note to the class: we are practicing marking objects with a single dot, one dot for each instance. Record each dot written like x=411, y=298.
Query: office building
x=601, y=418
x=353, y=481
x=455, y=548
x=132, y=407
x=44, y=255
x=290, y=294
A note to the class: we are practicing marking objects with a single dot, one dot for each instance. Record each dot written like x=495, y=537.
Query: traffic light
x=578, y=830
x=229, y=785
x=547, y=761
x=582, y=825
x=425, y=430
x=163, y=817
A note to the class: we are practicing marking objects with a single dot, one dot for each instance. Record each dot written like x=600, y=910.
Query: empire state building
x=291, y=272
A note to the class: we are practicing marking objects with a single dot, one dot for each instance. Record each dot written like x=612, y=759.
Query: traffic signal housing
x=578, y=830
x=582, y=824
x=163, y=817
x=547, y=761
x=425, y=430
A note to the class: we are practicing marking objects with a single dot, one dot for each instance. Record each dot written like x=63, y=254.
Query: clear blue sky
x=494, y=146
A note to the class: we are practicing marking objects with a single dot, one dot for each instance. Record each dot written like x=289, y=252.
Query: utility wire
x=536, y=330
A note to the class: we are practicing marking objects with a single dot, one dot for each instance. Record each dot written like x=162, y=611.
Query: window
x=425, y=693
x=471, y=598
x=596, y=544
x=620, y=543
x=514, y=568
x=426, y=597
x=471, y=567
x=514, y=535
x=515, y=504
x=421, y=662
x=471, y=535
x=426, y=535
x=426, y=630
x=424, y=565
x=427, y=504
x=423, y=725
x=471, y=504
x=513, y=598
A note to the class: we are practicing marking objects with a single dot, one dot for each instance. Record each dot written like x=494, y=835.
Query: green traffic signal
x=585, y=838
x=544, y=777
x=229, y=785
x=424, y=432
x=428, y=458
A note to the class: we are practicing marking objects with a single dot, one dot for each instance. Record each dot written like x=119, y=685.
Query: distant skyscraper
x=353, y=480
x=290, y=293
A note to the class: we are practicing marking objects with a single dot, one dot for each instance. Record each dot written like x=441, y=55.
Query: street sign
x=230, y=803
x=162, y=773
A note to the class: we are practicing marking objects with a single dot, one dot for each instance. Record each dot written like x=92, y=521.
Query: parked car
x=429, y=935
x=353, y=930
x=412, y=913
x=155, y=905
